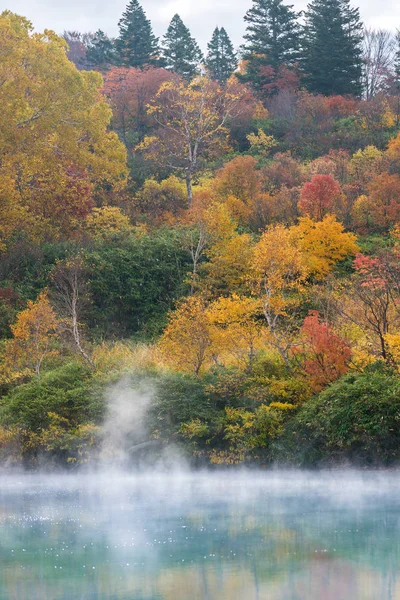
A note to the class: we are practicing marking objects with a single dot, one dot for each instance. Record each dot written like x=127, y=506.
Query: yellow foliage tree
x=261, y=142
x=236, y=330
x=34, y=334
x=192, y=119
x=279, y=274
x=54, y=144
x=323, y=244
x=186, y=343
x=104, y=222
x=229, y=253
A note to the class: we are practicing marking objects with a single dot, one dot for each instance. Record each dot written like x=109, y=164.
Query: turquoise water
x=231, y=536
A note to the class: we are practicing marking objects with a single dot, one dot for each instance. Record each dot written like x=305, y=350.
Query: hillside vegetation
x=220, y=231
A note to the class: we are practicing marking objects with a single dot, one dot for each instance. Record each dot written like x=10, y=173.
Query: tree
x=320, y=196
x=192, y=119
x=134, y=281
x=323, y=244
x=106, y=222
x=186, y=343
x=332, y=60
x=58, y=113
x=382, y=203
x=34, y=333
x=272, y=40
x=221, y=61
x=137, y=46
x=78, y=44
x=129, y=92
x=323, y=355
x=180, y=50
x=272, y=32
x=70, y=296
x=162, y=201
x=100, y=52
x=378, y=49
x=279, y=273
x=236, y=330
x=371, y=301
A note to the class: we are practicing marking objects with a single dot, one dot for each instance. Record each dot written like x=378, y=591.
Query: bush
x=68, y=392
x=357, y=420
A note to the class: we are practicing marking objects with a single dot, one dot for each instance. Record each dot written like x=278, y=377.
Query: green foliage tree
x=355, y=419
x=134, y=282
x=100, y=52
x=272, y=39
x=180, y=51
x=137, y=46
x=332, y=59
x=221, y=59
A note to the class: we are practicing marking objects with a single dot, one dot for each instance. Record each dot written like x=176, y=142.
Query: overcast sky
x=201, y=16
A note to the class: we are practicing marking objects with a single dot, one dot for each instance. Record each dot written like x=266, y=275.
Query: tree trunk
x=189, y=188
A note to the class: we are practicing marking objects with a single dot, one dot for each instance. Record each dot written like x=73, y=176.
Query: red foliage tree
x=319, y=197
x=324, y=355
x=130, y=91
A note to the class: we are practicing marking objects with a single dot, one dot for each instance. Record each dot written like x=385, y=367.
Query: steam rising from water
x=125, y=427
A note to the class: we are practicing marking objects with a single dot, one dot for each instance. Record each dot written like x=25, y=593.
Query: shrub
x=356, y=419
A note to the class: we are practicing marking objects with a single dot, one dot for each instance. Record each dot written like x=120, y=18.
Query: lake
x=193, y=536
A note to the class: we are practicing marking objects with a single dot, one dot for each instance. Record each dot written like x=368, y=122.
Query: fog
x=231, y=534
x=137, y=522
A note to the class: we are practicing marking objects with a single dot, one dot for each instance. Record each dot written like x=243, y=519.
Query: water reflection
x=193, y=537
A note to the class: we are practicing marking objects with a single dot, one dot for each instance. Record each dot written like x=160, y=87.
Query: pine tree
x=101, y=51
x=221, y=59
x=180, y=51
x=137, y=46
x=272, y=31
x=333, y=48
x=272, y=41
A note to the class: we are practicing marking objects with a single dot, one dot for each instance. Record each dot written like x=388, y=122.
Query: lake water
x=237, y=535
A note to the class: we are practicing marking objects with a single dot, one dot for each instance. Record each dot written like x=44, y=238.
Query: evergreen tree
x=272, y=41
x=137, y=46
x=221, y=59
x=272, y=31
x=180, y=51
x=333, y=48
x=101, y=51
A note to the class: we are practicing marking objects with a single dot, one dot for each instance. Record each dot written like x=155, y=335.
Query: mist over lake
x=238, y=535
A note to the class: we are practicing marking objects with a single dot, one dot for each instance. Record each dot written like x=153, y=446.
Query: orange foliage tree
x=320, y=196
x=34, y=333
x=186, y=343
x=323, y=355
x=384, y=200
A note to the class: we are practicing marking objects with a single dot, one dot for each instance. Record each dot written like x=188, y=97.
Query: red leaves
x=130, y=91
x=324, y=355
x=318, y=196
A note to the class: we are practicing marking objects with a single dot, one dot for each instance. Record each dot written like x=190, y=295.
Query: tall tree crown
x=181, y=52
x=136, y=44
x=221, y=59
x=101, y=51
x=272, y=31
x=333, y=51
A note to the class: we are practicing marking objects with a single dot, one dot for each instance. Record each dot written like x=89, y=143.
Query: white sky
x=201, y=16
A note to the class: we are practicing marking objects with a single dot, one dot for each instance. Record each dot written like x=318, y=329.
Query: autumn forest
x=219, y=226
